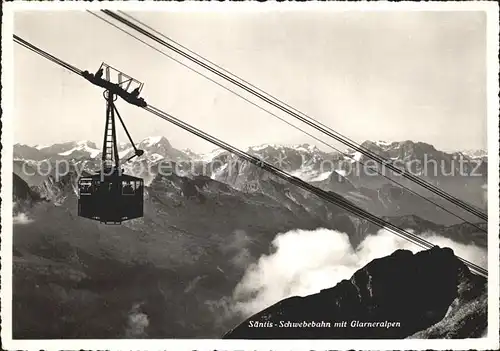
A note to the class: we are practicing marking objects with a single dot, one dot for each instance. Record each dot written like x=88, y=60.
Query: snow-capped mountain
x=303, y=159
x=25, y=152
x=81, y=149
x=191, y=154
x=155, y=149
x=475, y=153
x=290, y=158
x=72, y=149
x=342, y=173
x=199, y=234
x=401, y=150
x=420, y=159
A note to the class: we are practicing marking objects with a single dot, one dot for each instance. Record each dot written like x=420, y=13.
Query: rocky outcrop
x=403, y=293
x=57, y=188
x=22, y=195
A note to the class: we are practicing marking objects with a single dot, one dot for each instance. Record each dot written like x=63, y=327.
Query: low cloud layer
x=21, y=218
x=137, y=322
x=304, y=262
x=485, y=194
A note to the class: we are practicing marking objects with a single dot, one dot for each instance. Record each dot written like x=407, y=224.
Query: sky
x=368, y=75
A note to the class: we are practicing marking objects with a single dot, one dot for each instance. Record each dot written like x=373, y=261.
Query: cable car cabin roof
x=123, y=177
x=115, y=89
x=114, y=75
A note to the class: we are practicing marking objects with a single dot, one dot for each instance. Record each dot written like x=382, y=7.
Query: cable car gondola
x=110, y=196
x=110, y=199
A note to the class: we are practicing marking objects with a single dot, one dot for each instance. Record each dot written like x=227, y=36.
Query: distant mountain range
x=203, y=226
x=75, y=150
x=349, y=173
x=305, y=161
x=87, y=148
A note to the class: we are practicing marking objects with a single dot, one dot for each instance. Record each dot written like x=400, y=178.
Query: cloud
x=237, y=248
x=485, y=194
x=137, y=322
x=21, y=218
x=304, y=262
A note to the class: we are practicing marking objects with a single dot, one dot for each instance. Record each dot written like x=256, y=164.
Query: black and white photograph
x=247, y=175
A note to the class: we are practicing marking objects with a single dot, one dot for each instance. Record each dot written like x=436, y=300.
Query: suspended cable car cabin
x=110, y=196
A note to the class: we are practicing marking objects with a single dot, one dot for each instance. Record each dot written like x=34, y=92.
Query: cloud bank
x=304, y=262
x=21, y=218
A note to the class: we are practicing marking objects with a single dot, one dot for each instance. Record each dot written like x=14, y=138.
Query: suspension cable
x=284, y=120
x=328, y=196
x=45, y=54
x=325, y=195
x=309, y=120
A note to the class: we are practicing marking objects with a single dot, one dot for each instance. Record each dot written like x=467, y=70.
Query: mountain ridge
x=416, y=294
x=329, y=171
x=178, y=262
x=473, y=153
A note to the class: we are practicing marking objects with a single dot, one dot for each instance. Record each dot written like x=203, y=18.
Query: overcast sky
x=379, y=76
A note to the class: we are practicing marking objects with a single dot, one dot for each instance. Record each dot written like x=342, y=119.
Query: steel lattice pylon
x=110, y=157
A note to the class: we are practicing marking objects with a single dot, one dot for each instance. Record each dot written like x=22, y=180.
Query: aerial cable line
x=369, y=154
x=337, y=200
x=328, y=196
x=48, y=56
x=284, y=120
x=325, y=195
x=310, y=121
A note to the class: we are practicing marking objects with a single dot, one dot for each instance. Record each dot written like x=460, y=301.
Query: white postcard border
x=489, y=342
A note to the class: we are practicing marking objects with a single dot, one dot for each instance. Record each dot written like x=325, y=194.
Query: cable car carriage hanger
x=110, y=196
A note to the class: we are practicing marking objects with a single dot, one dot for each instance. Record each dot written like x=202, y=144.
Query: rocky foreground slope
x=430, y=294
